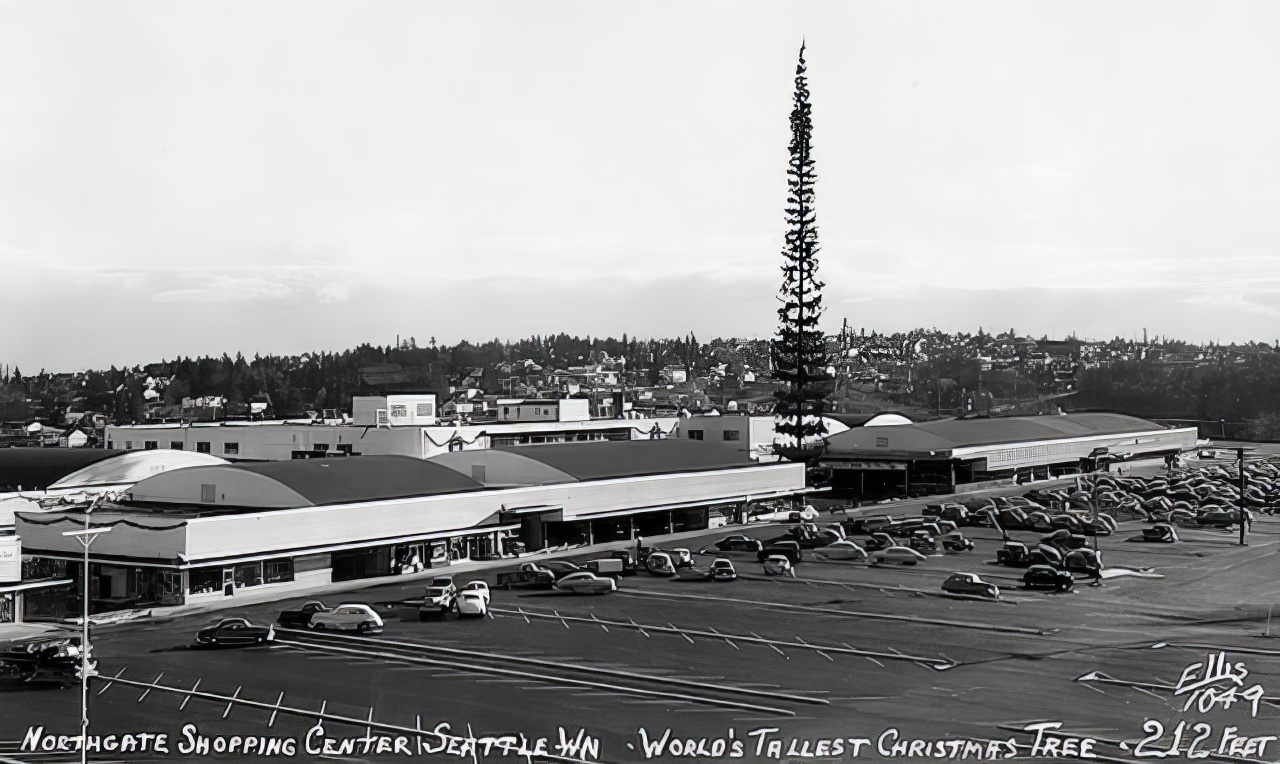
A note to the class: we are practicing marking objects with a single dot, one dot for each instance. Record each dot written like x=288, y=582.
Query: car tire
x=362, y=628
x=319, y=627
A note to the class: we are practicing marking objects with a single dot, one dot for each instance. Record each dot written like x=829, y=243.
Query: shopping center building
x=937, y=457
x=209, y=532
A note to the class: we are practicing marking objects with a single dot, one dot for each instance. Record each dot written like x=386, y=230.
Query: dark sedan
x=301, y=618
x=737, y=543
x=1047, y=577
x=235, y=632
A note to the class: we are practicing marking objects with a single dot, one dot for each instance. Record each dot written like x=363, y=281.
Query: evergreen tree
x=799, y=351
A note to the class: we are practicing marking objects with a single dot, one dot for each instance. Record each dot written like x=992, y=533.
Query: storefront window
x=203, y=580
x=249, y=574
x=277, y=571
x=7, y=613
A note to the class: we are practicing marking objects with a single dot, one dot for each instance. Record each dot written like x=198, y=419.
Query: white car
x=778, y=565
x=900, y=554
x=479, y=587
x=473, y=602
x=785, y=516
x=440, y=594
x=841, y=550
x=683, y=558
x=660, y=564
x=586, y=583
x=349, y=617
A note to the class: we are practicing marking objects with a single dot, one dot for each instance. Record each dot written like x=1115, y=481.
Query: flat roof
x=950, y=434
x=634, y=458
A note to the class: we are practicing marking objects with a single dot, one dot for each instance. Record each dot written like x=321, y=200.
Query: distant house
x=74, y=438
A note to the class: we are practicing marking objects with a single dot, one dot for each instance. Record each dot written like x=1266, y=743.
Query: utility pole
x=1244, y=483
x=86, y=537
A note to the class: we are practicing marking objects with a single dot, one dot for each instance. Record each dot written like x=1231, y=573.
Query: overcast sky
x=188, y=178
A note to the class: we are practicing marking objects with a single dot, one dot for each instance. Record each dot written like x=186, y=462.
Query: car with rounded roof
x=1048, y=577
x=723, y=570
x=472, y=602
x=841, y=550
x=350, y=616
x=970, y=584
x=230, y=632
x=660, y=564
x=586, y=582
x=739, y=542
x=301, y=618
x=778, y=565
x=904, y=555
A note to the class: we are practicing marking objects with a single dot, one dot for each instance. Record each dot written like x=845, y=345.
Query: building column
x=671, y=528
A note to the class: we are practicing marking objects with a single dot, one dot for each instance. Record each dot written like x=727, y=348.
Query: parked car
x=1044, y=554
x=922, y=542
x=736, y=543
x=628, y=561
x=473, y=602
x=1047, y=577
x=301, y=618
x=1064, y=540
x=230, y=632
x=1160, y=533
x=561, y=568
x=778, y=565
x=355, y=617
x=1218, y=518
x=868, y=525
x=526, y=579
x=841, y=550
x=1040, y=521
x=46, y=661
x=789, y=549
x=785, y=516
x=955, y=542
x=605, y=566
x=693, y=573
x=1013, y=554
x=585, y=582
x=478, y=586
x=879, y=540
x=1084, y=562
x=440, y=595
x=900, y=554
x=660, y=564
x=722, y=570
x=682, y=557
x=970, y=584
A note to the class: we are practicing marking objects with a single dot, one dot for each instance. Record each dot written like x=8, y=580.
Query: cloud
x=1232, y=300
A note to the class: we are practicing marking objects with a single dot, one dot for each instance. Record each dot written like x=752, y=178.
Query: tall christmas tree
x=799, y=350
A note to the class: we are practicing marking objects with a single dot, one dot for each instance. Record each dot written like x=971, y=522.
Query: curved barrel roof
x=304, y=482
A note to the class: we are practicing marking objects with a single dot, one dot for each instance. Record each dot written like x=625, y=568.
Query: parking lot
x=764, y=665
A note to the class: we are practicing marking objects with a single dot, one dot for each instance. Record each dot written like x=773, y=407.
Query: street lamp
x=86, y=537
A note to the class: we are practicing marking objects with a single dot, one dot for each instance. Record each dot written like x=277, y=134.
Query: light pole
x=85, y=537
x=1244, y=506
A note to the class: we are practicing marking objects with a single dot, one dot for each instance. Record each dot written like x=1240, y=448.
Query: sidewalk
x=16, y=632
